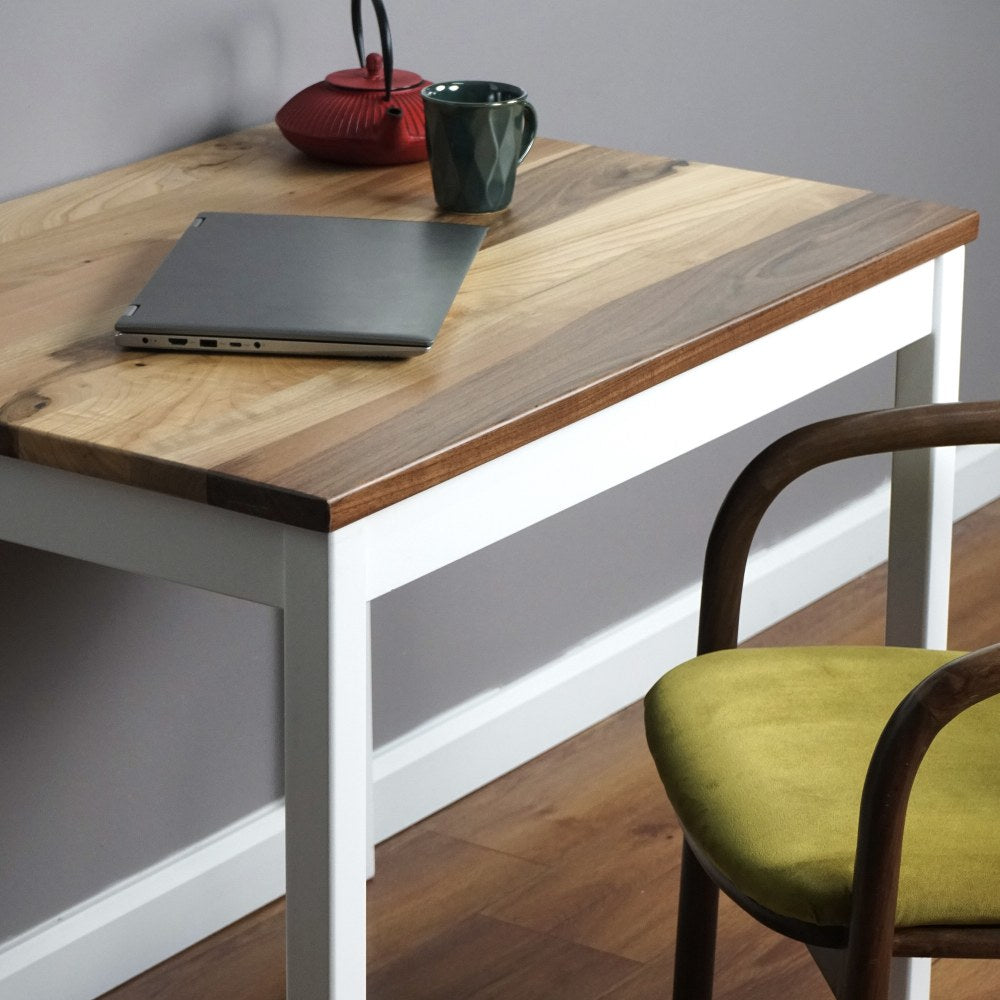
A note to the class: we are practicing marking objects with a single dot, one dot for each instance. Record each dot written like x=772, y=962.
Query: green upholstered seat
x=763, y=754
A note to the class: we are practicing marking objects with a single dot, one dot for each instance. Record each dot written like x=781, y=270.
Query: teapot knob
x=374, y=66
x=385, y=36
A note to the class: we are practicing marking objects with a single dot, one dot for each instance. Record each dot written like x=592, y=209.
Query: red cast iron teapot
x=371, y=115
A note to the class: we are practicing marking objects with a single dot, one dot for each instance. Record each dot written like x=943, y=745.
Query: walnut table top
x=611, y=272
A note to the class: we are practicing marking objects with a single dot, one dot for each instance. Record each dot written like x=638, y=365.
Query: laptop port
x=204, y=342
x=177, y=341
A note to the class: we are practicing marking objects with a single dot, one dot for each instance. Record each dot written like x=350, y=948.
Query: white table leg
x=327, y=740
x=370, y=769
x=910, y=979
x=922, y=517
x=923, y=482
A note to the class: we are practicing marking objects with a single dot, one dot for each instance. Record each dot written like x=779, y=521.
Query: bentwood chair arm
x=911, y=729
x=871, y=433
x=929, y=706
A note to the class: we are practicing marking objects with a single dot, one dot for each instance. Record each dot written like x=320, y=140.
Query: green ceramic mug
x=478, y=131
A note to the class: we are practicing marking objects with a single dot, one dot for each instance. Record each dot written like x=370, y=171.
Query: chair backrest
x=872, y=433
x=872, y=935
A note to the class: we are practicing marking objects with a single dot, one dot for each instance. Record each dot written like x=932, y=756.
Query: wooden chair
x=793, y=770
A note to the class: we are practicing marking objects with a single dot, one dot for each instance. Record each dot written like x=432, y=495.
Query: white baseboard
x=475, y=743
x=133, y=926
x=977, y=478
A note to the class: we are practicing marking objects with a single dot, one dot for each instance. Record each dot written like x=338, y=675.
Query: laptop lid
x=294, y=284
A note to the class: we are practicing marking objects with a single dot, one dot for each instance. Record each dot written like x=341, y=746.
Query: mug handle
x=385, y=37
x=530, y=129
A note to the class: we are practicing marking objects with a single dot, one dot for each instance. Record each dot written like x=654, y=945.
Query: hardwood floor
x=558, y=881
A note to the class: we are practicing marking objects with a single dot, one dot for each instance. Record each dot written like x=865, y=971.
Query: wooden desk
x=625, y=310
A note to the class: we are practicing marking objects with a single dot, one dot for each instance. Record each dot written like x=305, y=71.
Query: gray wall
x=886, y=96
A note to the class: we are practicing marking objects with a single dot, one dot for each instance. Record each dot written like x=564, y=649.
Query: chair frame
x=871, y=938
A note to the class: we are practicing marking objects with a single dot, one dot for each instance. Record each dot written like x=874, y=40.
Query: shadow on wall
x=496, y=615
x=92, y=86
x=136, y=717
x=196, y=80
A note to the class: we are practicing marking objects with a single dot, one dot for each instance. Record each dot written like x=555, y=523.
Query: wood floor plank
x=560, y=813
x=428, y=882
x=245, y=961
x=614, y=891
x=965, y=979
x=755, y=965
x=480, y=958
x=544, y=811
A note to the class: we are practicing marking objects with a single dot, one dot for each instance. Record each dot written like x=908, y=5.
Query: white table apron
x=325, y=582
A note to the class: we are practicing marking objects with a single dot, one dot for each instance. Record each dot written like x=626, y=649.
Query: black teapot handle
x=386, y=38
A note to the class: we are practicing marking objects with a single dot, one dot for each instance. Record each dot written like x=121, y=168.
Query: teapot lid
x=372, y=76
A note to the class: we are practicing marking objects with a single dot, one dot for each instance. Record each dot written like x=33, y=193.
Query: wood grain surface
x=611, y=272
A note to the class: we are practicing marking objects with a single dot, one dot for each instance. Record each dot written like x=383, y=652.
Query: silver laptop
x=296, y=284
